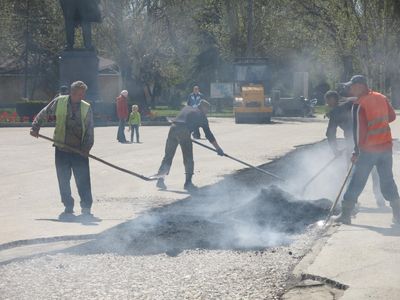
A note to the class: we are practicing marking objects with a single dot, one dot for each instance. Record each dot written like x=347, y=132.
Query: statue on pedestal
x=83, y=13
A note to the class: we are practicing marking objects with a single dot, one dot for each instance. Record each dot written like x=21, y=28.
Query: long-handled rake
x=240, y=161
x=339, y=194
x=101, y=160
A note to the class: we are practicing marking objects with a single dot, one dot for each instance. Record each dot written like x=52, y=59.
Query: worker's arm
x=360, y=129
x=218, y=148
x=210, y=137
x=331, y=135
x=88, y=139
x=42, y=116
x=391, y=112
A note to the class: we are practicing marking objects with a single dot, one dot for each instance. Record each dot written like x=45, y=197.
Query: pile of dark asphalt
x=271, y=218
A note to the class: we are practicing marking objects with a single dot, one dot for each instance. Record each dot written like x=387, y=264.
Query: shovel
x=240, y=161
x=100, y=160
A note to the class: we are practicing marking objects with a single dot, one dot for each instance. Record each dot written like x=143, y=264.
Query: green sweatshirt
x=134, y=118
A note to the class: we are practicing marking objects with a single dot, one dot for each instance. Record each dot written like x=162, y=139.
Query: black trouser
x=178, y=135
x=362, y=168
x=196, y=133
x=66, y=163
x=121, y=129
x=135, y=128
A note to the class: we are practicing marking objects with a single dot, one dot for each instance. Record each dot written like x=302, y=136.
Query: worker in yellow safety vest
x=74, y=128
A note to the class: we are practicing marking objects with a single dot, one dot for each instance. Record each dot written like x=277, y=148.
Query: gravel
x=193, y=274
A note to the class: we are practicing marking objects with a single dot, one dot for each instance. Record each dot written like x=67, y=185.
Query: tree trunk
x=348, y=70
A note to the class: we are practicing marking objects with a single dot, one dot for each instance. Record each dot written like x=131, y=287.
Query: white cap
x=124, y=93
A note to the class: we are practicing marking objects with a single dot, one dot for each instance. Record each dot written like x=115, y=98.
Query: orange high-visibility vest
x=376, y=111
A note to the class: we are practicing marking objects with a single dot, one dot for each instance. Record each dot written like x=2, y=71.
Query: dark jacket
x=194, y=99
x=193, y=118
x=340, y=116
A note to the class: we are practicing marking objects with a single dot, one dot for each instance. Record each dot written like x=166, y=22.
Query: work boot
x=189, y=186
x=345, y=216
x=380, y=201
x=396, y=211
x=160, y=184
x=355, y=210
x=67, y=215
x=69, y=210
x=86, y=211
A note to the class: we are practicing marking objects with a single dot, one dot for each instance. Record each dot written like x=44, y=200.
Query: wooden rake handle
x=145, y=178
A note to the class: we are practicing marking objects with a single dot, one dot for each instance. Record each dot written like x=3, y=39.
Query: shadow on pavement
x=392, y=231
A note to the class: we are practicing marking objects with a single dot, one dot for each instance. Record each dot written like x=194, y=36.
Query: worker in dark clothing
x=340, y=116
x=193, y=100
x=188, y=120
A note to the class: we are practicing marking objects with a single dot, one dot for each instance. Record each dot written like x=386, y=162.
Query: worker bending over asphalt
x=372, y=114
x=74, y=127
x=340, y=116
x=188, y=120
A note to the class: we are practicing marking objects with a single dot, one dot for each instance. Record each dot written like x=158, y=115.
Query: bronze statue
x=83, y=13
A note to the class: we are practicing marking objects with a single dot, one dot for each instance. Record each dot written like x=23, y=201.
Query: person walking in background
x=371, y=114
x=134, y=122
x=193, y=100
x=74, y=128
x=122, y=114
x=340, y=116
x=188, y=120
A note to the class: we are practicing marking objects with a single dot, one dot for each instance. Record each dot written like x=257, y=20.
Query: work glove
x=34, y=133
x=220, y=152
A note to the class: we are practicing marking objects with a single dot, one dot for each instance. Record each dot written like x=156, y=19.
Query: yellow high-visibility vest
x=61, y=117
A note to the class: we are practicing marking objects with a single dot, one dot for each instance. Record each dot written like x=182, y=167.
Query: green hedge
x=102, y=111
x=30, y=108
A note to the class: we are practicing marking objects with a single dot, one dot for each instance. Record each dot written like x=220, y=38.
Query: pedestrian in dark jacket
x=122, y=114
x=188, y=120
x=193, y=100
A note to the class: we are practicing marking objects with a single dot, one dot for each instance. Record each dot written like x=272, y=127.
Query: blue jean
x=66, y=163
x=135, y=128
x=121, y=131
x=363, y=167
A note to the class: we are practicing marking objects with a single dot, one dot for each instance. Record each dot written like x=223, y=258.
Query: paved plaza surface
x=43, y=258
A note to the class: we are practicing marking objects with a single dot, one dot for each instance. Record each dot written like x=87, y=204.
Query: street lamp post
x=27, y=38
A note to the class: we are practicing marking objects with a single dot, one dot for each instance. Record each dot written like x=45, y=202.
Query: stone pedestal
x=81, y=65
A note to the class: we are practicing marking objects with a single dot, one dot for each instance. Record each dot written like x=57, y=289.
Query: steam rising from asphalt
x=245, y=211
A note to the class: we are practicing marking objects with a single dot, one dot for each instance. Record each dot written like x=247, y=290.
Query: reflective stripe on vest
x=61, y=119
x=378, y=131
x=377, y=114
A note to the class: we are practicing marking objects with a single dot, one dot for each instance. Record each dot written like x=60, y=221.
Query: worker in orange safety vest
x=371, y=115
